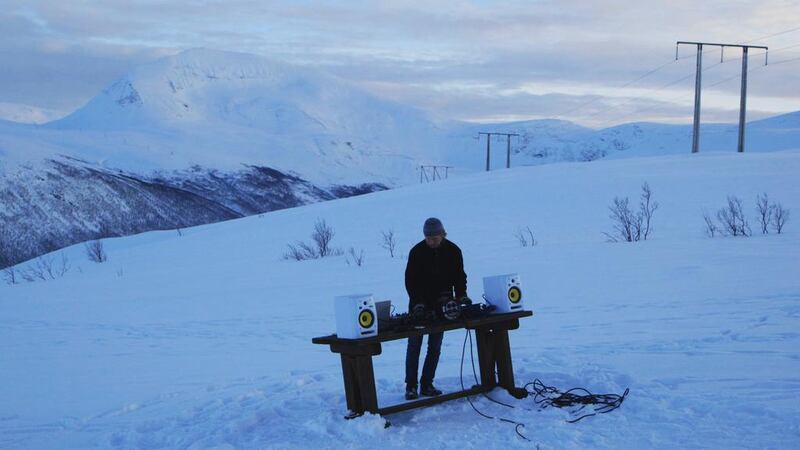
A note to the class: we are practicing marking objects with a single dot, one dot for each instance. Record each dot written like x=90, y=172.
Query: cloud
x=463, y=59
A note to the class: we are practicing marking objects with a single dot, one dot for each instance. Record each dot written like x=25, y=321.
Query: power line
x=651, y=91
x=671, y=83
x=641, y=77
x=772, y=35
x=598, y=97
x=672, y=99
x=654, y=90
x=785, y=61
x=678, y=97
x=672, y=61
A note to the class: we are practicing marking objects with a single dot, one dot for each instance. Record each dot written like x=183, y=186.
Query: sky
x=596, y=63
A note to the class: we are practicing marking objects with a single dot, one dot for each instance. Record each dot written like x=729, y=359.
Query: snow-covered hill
x=221, y=109
x=203, y=340
x=19, y=113
x=241, y=134
x=548, y=141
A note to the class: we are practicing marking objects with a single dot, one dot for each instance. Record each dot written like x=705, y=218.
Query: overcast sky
x=468, y=60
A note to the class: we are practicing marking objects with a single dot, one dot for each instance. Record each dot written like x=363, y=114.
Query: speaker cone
x=366, y=318
x=514, y=295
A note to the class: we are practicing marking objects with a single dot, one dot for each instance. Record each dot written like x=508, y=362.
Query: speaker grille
x=514, y=295
x=366, y=318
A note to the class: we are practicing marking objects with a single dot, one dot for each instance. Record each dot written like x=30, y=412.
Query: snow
x=203, y=340
x=224, y=109
x=16, y=112
x=221, y=110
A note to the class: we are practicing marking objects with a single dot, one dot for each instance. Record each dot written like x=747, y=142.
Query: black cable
x=517, y=425
x=475, y=375
x=546, y=396
x=461, y=373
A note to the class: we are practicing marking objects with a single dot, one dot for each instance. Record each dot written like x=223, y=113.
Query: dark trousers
x=431, y=359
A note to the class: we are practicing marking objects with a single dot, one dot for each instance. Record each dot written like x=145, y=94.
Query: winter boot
x=430, y=391
x=411, y=393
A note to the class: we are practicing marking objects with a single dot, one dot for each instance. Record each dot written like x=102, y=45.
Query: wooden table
x=494, y=352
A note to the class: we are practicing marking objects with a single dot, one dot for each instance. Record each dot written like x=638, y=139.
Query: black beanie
x=433, y=227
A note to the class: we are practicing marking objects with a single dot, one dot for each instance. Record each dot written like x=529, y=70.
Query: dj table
x=494, y=352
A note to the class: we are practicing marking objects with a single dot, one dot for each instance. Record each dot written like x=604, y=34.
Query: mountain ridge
x=250, y=135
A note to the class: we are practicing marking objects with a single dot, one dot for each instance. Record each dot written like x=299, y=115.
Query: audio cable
x=517, y=425
x=545, y=396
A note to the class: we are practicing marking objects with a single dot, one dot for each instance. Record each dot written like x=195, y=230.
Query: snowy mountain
x=240, y=134
x=548, y=141
x=220, y=109
x=237, y=133
x=203, y=339
x=14, y=112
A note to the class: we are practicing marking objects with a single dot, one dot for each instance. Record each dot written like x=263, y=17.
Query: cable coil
x=546, y=396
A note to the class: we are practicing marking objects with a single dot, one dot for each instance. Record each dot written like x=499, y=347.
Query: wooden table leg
x=351, y=390
x=494, y=352
x=359, y=383
x=505, y=369
x=366, y=384
x=486, y=359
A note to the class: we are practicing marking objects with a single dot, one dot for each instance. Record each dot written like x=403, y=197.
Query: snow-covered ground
x=203, y=340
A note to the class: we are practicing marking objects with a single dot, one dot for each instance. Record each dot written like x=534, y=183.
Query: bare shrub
x=319, y=248
x=389, y=242
x=764, y=212
x=711, y=227
x=355, y=258
x=322, y=236
x=40, y=269
x=46, y=268
x=11, y=275
x=300, y=251
x=732, y=220
x=95, y=251
x=779, y=217
x=525, y=237
x=630, y=226
x=63, y=266
x=623, y=219
x=647, y=207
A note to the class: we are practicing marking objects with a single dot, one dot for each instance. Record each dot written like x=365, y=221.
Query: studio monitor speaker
x=356, y=316
x=504, y=292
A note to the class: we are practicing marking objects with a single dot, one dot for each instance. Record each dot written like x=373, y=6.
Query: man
x=435, y=269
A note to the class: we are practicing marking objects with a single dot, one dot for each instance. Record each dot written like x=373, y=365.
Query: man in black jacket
x=435, y=269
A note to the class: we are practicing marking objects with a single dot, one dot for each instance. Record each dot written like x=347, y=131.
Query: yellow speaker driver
x=514, y=295
x=366, y=318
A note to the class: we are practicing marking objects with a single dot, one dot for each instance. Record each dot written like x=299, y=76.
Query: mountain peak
x=198, y=85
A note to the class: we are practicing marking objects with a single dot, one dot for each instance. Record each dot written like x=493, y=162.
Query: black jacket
x=431, y=271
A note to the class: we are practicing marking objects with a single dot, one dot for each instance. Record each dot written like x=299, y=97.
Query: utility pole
x=488, y=148
x=423, y=173
x=697, y=86
x=508, y=149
